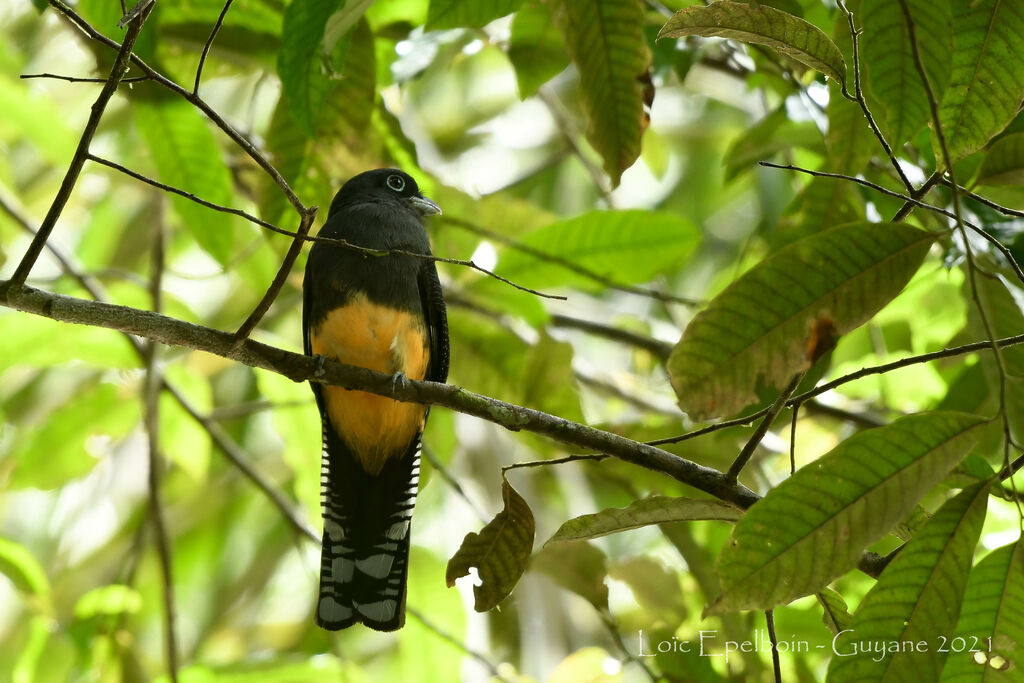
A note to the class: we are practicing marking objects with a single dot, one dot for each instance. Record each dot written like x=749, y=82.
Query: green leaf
x=19, y=565
x=761, y=25
x=186, y=156
x=916, y=600
x=992, y=615
x=260, y=16
x=349, y=103
x=850, y=142
x=577, y=566
x=288, y=150
x=500, y=552
x=786, y=545
x=644, y=512
x=625, y=246
x=444, y=14
x=762, y=327
x=1004, y=163
x=313, y=30
x=536, y=48
x=891, y=78
x=823, y=203
x=113, y=600
x=53, y=452
x=605, y=41
x=987, y=82
x=835, y=613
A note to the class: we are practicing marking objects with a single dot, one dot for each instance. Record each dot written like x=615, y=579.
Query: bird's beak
x=424, y=206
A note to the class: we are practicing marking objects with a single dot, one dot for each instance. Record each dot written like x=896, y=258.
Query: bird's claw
x=399, y=379
x=318, y=369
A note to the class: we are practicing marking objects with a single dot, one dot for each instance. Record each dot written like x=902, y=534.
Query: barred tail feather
x=364, y=558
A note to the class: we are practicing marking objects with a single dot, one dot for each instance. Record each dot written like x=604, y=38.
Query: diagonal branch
x=298, y=367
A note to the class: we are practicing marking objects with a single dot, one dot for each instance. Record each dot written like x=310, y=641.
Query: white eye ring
x=396, y=183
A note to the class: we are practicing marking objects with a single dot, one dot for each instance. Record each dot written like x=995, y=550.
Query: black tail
x=364, y=558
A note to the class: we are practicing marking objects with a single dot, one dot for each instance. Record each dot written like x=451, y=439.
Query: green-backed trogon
x=386, y=313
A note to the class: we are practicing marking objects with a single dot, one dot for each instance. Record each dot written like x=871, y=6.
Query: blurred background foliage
x=526, y=121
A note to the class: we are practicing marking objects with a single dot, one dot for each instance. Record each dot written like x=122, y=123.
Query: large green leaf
x=1004, y=163
x=916, y=600
x=187, y=156
x=535, y=48
x=500, y=552
x=312, y=47
x=991, y=621
x=814, y=526
x=764, y=328
x=349, y=103
x=892, y=81
x=644, y=512
x=761, y=25
x=467, y=13
x=623, y=246
x=605, y=41
x=987, y=83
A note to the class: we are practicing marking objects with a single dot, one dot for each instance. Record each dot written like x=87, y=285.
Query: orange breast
x=372, y=336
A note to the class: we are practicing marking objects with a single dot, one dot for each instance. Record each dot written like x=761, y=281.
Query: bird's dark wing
x=437, y=321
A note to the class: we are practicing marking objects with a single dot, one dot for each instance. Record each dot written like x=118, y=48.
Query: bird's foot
x=399, y=380
x=318, y=370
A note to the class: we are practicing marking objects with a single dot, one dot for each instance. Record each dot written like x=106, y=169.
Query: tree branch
x=298, y=367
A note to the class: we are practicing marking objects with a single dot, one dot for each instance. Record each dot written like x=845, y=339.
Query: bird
x=386, y=313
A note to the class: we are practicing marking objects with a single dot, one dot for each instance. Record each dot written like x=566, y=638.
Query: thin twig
x=769, y=616
x=1005, y=210
x=855, y=35
x=209, y=43
x=845, y=379
x=152, y=423
x=657, y=348
x=1000, y=247
x=250, y=323
x=117, y=72
x=78, y=79
x=907, y=207
x=366, y=251
x=569, y=131
x=933, y=105
x=555, y=461
x=452, y=482
x=612, y=627
x=762, y=429
x=568, y=264
x=792, y=439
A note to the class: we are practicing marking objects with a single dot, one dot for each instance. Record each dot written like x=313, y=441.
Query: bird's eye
x=396, y=183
